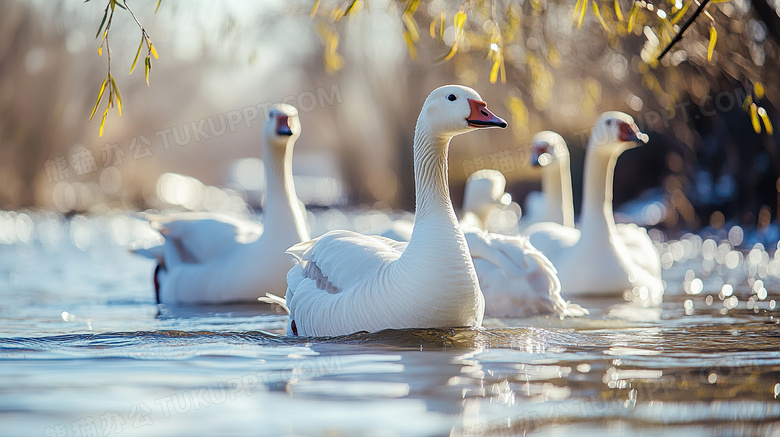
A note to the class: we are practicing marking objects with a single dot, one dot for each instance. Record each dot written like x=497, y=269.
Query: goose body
x=601, y=257
x=516, y=279
x=208, y=259
x=347, y=282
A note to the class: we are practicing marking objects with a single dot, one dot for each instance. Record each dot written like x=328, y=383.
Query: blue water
x=84, y=351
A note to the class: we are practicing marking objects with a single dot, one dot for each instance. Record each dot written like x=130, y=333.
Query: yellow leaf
x=553, y=57
x=494, y=70
x=411, y=25
x=518, y=110
x=577, y=8
x=713, y=40
x=432, y=29
x=758, y=88
x=503, y=70
x=441, y=26
x=449, y=54
x=598, y=15
x=147, y=67
x=100, y=97
x=681, y=12
x=412, y=8
x=632, y=16
x=350, y=7
x=118, y=96
x=410, y=44
x=100, y=51
x=618, y=12
x=336, y=14
x=314, y=9
x=746, y=104
x=137, y=54
x=582, y=13
x=154, y=52
x=103, y=121
x=158, y=6
x=460, y=21
x=765, y=119
x=754, y=118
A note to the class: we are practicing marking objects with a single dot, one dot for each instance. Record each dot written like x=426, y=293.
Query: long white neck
x=437, y=242
x=282, y=213
x=556, y=186
x=598, y=220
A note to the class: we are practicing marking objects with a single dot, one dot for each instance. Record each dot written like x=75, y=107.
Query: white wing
x=516, y=279
x=333, y=268
x=197, y=237
x=552, y=239
x=640, y=248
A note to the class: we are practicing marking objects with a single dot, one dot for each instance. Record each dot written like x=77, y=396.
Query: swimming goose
x=600, y=257
x=516, y=279
x=207, y=259
x=554, y=203
x=347, y=282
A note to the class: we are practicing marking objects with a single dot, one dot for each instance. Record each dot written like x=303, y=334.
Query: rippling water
x=84, y=351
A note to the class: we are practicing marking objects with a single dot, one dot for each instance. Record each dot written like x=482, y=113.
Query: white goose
x=208, y=259
x=554, y=204
x=602, y=258
x=348, y=282
x=516, y=279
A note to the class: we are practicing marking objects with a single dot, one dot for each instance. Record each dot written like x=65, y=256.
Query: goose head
x=453, y=110
x=282, y=127
x=484, y=190
x=616, y=131
x=547, y=147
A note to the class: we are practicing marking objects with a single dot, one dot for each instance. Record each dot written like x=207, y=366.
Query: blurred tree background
x=708, y=105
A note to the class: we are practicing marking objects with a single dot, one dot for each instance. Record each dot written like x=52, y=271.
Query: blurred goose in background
x=347, y=282
x=601, y=257
x=516, y=278
x=207, y=259
x=483, y=197
x=554, y=204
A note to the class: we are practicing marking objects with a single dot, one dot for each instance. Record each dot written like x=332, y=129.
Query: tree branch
x=685, y=27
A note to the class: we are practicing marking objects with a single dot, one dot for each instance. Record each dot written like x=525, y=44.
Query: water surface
x=84, y=351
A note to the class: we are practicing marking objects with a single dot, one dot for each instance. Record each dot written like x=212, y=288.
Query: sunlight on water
x=85, y=351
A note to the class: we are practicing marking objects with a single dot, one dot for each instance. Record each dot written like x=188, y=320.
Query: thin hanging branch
x=685, y=27
x=114, y=97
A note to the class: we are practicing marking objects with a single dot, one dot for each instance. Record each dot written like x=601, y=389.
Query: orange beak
x=481, y=116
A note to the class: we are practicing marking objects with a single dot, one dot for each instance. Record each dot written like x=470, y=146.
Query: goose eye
x=452, y=98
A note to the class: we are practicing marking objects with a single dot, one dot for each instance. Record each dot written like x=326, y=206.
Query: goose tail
x=274, y=300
